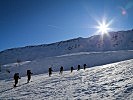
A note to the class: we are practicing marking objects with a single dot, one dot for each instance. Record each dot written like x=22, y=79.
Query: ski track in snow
x=113, y=81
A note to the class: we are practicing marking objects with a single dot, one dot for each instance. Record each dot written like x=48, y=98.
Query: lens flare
x=123, y=11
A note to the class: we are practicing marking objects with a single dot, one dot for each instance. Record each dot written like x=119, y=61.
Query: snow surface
x=105, y=78
x=114, y=41
x=40, y=66
x=108, y=82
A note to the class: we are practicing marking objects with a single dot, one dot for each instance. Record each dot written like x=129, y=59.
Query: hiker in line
x=72, y=69
x=84, y=66
x=50, y=71
x=16, y=77
x=29, y=75
x=61, y=70
x=78, y=67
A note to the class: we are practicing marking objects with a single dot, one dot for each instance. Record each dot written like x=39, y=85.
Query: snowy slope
x=122, y=40
x=40, y=66
x=108, y=82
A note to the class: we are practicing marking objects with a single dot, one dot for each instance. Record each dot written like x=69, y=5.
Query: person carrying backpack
x=61, y=70
x=78, y=67
x=72, y=69
x=84, y=66
x=16, y=77
x=29, y=75
x=50, y=71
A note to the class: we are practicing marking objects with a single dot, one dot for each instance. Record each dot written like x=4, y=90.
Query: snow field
x=112, y=81
x=40, y=66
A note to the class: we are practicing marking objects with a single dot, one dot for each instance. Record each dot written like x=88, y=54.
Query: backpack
x=28, y=72
x=16, y=75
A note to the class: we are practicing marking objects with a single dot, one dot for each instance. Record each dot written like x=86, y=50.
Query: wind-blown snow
x=108, y=82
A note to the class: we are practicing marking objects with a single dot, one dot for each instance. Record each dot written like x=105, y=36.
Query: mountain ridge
x=57, y=42
x=114, y=41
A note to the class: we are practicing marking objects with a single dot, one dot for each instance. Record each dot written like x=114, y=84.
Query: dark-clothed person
x=50, y=71
x=61, y=70
x=72, y=69
x=78, y=67
x=29, y=75
x=84, y=66
x=16, y=77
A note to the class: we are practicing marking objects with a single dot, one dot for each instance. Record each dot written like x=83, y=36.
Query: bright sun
x=103, y=27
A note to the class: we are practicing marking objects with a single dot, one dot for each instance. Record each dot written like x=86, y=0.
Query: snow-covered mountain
x=112, y=81
x=117, y=46
x=108, y=82
x=114, y=41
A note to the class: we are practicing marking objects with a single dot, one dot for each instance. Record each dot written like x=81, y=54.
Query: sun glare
x=103, y=27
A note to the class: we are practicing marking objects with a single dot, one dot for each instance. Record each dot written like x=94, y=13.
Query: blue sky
x=33, y=22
